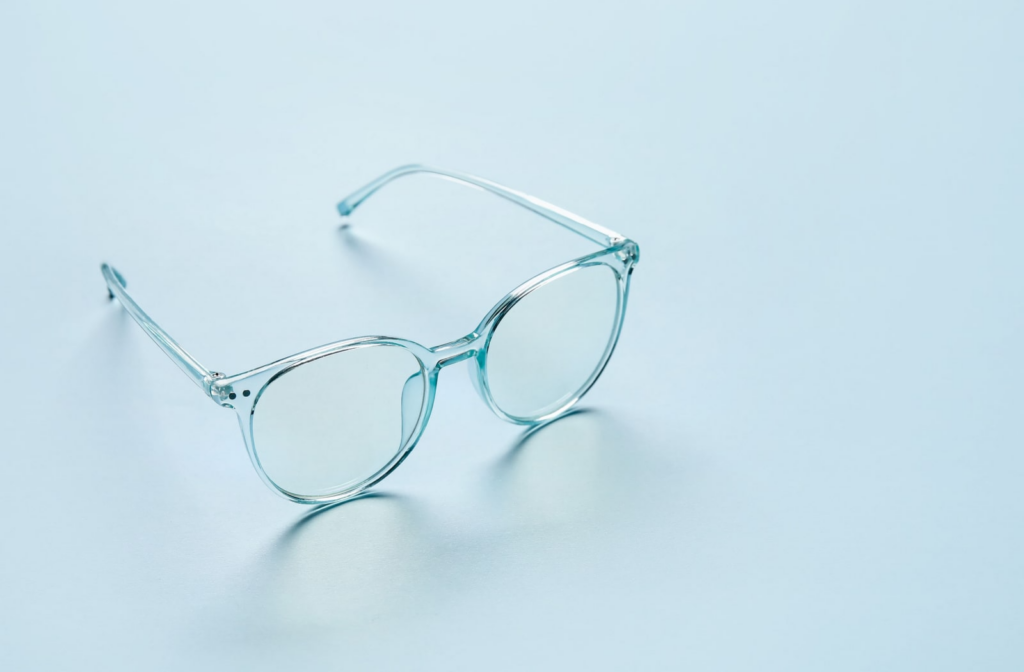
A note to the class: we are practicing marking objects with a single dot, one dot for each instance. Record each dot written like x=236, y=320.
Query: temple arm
x=573, y=222
x=199, y=374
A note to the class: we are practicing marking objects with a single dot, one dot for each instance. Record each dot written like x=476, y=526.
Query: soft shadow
x=360, y=247
x=385, y=556
x=507, y=461
x=394, y=276
x=563, y=472
x=337, y=566
x=288, y=535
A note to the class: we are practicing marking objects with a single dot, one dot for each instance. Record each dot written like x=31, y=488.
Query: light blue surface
x=822, y=472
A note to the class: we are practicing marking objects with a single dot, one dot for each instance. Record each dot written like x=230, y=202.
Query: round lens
x=547, y=350
x=331, y=424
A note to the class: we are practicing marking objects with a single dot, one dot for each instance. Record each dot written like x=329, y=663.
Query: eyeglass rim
x=621, y=258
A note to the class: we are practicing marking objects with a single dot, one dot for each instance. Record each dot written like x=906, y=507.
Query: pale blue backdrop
x=807, y=453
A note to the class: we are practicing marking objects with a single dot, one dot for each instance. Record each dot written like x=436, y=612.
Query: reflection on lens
x=329, y=425
x=545, y=350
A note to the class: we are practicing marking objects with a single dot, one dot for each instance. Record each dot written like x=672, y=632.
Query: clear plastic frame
x=244, y=392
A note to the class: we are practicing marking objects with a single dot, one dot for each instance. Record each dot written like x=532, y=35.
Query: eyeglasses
x=325, y=424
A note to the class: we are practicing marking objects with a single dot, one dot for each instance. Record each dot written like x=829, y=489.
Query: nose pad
x=476, y=376
x=413, y=396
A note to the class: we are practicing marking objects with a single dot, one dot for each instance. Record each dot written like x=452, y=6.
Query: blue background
x=806, y=453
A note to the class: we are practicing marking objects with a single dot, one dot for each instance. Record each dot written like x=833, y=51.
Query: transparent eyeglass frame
x=242, y=391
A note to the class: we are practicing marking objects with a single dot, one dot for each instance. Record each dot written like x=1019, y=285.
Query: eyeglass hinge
x=218, y=394
x=630, y=253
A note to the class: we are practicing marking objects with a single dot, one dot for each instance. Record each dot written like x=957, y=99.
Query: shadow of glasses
x=337, y=566
x=563, y=472
x=381, y=554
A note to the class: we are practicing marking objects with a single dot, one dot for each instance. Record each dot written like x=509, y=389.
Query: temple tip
x=108, y=271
